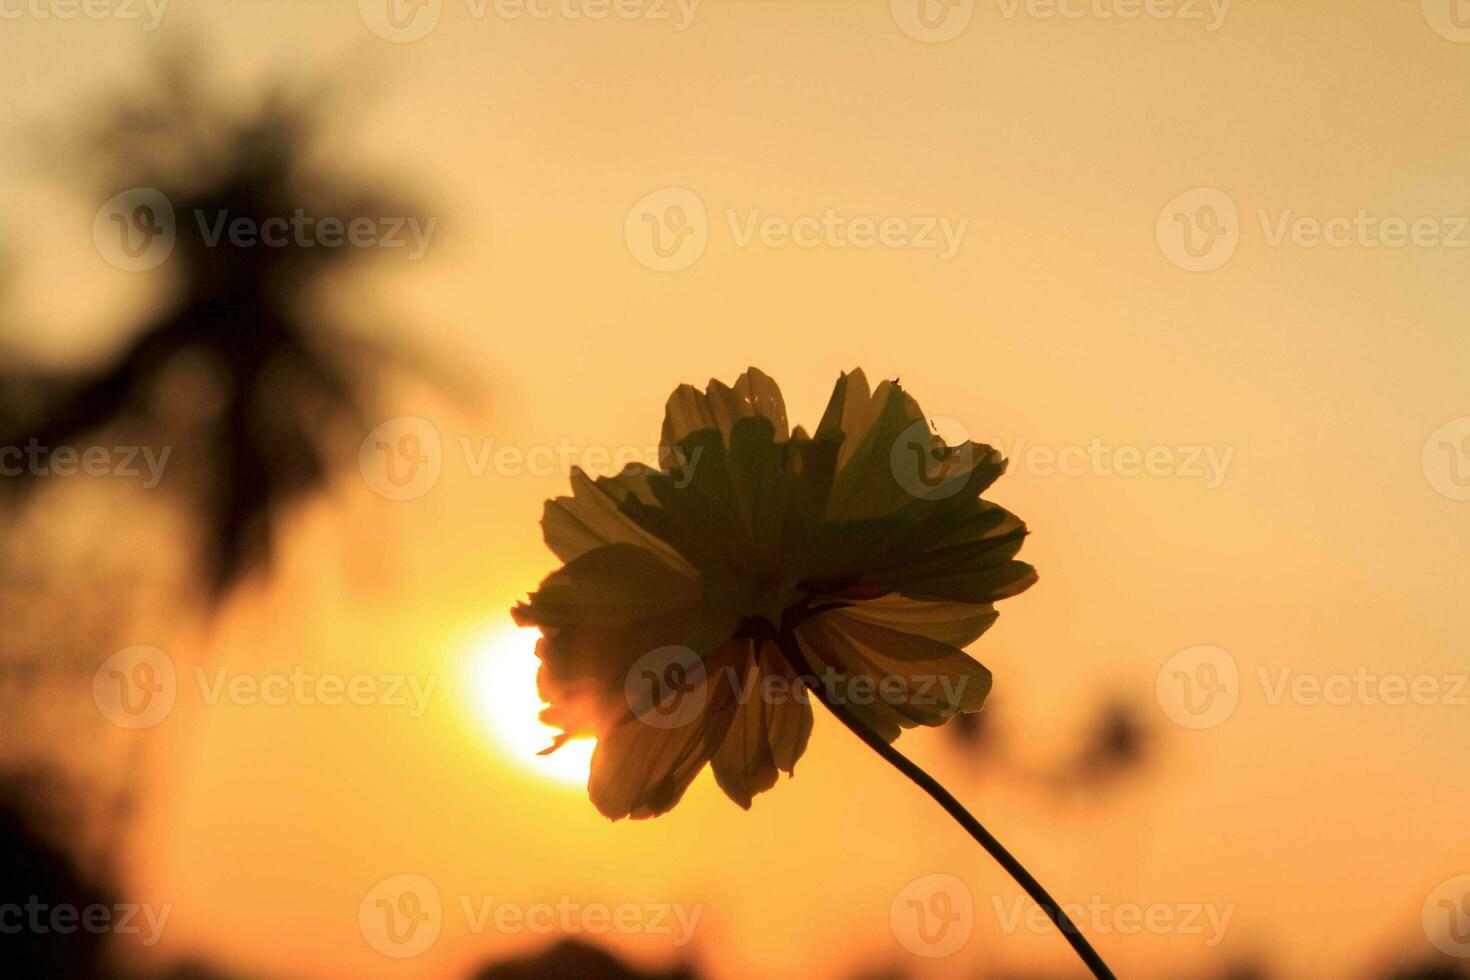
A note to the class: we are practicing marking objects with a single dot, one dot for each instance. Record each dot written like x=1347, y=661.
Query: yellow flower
x=865, y=545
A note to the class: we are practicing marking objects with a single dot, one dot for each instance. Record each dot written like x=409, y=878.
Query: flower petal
x=892, y=679
x=614, y=584
x=584, y=669
x=769, y=731
x=720, y=406
x=598, y=615
x=957, y=624
x=592, y=517
x=871, y=424
x=743, y=765
x=966, y=556
x=726, y=514
x=642, y=767
x=789, y=726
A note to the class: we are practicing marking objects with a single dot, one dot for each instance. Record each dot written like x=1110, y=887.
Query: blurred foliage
x=239, y=371
x=1115, y=745
x=575, y=958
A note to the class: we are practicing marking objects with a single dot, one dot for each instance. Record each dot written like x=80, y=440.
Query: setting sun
x=505, y=695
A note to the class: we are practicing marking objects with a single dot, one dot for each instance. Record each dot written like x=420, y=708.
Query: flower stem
x=792, y=649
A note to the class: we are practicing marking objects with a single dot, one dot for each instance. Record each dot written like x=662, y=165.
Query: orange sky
x=1060, y=320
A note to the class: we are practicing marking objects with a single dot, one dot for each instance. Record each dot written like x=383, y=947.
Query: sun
x=505, y=694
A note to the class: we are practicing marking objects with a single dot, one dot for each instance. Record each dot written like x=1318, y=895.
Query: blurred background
x=306, y=308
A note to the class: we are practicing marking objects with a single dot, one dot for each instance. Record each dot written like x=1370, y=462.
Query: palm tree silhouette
x=240, y=325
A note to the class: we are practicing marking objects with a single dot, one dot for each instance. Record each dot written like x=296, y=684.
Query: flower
x=863, y=549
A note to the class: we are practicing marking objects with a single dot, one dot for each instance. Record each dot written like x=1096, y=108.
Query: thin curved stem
x=792, y=649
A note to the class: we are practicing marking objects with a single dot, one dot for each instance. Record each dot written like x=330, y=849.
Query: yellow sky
x=1059, y=321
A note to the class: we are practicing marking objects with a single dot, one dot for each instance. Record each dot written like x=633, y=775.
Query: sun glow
x=505, y=693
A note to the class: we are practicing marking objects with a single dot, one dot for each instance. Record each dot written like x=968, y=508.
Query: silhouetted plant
x=575, y=958
x=699, y=600
x=240, y=371
x=39, y=866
